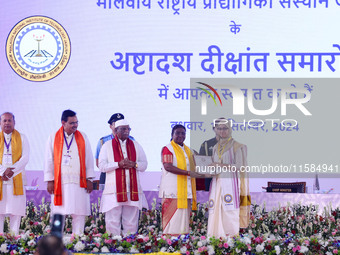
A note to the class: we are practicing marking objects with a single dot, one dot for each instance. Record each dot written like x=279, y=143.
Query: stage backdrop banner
x=272, y=67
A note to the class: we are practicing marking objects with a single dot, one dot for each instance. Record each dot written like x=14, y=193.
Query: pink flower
x=168, y=241
x=26, y=250
x=108, y=241
x=101, y=226
x=307, y=242
x=203, y=238
x=200, y=249
x=128, y=240
x=297, y=248
x=335, y=251
x=187, y=253
x=146, y=239
x=333, y=233
x=258, y=240
x=98, y=244
x=220, y=245
x=36, y=223
x=225, y=245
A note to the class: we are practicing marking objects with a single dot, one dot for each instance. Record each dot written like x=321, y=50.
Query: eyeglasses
x=124, y=129
x=222, y=129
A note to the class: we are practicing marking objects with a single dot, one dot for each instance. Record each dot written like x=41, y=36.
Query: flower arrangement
x=294, y=229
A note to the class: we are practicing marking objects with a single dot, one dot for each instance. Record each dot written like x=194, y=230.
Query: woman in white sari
x=229, y=199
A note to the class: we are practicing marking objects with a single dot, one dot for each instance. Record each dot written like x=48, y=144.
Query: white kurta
x=11, y=204
x=107, y=165
x=75, y=200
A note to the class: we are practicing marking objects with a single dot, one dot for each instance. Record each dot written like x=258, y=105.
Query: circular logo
x=38, y=48
x=211, y=203
x=228, y=198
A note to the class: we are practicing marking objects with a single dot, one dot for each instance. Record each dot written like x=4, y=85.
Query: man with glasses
x=122, y=160
x=69, y=170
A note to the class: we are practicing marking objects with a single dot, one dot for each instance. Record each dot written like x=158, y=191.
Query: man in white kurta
x=121, y=214
x=12, y=205
x=75, y=199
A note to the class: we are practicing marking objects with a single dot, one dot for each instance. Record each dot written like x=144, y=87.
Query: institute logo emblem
x=211, y=203
x=38, y=48
x=228, y=198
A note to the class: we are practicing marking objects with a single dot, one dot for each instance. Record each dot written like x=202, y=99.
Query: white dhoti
x=12, y=206
x=120, y=214
x=76, y=202
x=126, y=216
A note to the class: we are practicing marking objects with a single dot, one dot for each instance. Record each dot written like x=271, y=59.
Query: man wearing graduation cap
x=114, y=117
x=122, y=160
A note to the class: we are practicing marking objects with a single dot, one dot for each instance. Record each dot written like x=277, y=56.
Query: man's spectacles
x=124, y=129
